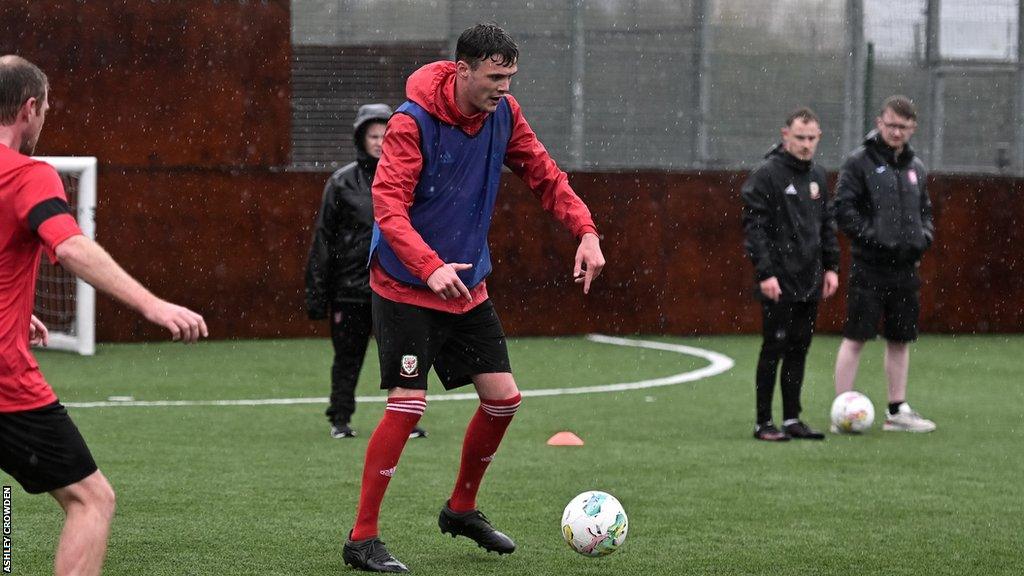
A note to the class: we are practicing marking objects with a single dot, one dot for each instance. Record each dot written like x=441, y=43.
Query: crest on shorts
x=410, y=366
x=815, y=191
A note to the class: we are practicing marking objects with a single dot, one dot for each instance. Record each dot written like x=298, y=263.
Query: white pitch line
x=719, y=363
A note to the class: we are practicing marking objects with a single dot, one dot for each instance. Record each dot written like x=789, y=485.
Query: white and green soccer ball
x=852, y=412
x=594, y=524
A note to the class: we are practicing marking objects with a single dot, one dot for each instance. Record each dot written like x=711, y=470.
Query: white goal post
x=65, y=304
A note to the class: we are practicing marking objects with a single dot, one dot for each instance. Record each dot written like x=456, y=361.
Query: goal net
x=65, y=304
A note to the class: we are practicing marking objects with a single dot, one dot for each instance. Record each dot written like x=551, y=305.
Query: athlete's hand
x=445, y=282
x=830, y=284
x=184, y=324
x=589, y=261
x=770, y=288
x=38, y=335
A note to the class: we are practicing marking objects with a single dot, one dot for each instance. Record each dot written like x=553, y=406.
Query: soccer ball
x=852, y=412
x=594, y=524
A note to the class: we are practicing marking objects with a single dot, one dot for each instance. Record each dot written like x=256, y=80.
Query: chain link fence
x=688, y=84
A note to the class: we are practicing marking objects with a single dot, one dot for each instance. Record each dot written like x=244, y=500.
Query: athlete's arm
x=829, y=283
x=529, y=160
x=90, y=262
x=589, y=261
x=757, y=218
x=829, y=252
x=318, y=263
x=851, y=203
x=38, y=335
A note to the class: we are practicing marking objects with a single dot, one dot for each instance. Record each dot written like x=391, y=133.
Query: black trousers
x=787, y=331
x=350, y=334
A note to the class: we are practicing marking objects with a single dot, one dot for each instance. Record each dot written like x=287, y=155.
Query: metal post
x=936, y=83
x=1020, y=87
x=577, y=119
x=853, y=98
x=702, y=91
x=868, y=101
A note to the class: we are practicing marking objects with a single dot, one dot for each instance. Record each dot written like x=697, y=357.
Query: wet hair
x=19, y=81
x=484, y=41
x=900, y=106
x=804, y=114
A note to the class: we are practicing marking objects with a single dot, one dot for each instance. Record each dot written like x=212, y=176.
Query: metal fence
x=686, y=84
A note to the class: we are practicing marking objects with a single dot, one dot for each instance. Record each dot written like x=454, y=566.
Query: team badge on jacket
x=815, y=191
x=410, y=366
x=912, y=176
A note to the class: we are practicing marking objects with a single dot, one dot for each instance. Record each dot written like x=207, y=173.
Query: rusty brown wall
x=676, y=263
x=673, y=242
x=160, y=83
x=187, y=105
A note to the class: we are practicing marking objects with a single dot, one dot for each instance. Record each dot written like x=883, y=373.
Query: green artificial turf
x=247, y=490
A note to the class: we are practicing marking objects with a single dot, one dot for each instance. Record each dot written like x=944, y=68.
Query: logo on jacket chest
x=912, y=176
x=815, y=190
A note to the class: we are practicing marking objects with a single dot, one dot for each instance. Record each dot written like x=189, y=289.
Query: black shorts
x=411, y=339
x=43, y=450
x=895, y=301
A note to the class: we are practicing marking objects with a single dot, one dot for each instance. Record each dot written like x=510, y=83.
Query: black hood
x=780, y=153
x=367, y=114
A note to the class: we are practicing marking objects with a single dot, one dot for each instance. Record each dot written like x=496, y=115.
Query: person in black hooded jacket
x=791, y=239
x=337, y=276
x=882, y=205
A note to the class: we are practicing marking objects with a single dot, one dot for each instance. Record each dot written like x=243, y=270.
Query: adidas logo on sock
x=487, y=458
x=389, y=472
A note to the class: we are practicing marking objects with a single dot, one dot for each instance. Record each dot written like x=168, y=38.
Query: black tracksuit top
x=790, y=232
x=882, y=205
x=337, y=268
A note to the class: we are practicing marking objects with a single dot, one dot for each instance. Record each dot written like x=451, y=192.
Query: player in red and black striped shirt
x=39, y=444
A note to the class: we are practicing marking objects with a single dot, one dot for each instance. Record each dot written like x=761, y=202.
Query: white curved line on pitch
x=719, y=363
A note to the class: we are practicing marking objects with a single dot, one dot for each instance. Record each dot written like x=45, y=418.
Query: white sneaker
x=907, y=420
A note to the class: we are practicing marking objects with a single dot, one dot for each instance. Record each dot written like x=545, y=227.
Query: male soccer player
x=39, y=444
x=791, y=239
x=433, y=195
x=883, y=206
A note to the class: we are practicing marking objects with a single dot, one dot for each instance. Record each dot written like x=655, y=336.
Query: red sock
x=483, y=435
x=382, y=454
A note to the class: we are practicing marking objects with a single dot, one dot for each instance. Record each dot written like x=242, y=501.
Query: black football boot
x=475, y=526
x=371, y=555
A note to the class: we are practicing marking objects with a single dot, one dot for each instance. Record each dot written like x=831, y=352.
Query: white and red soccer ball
x=852, y=412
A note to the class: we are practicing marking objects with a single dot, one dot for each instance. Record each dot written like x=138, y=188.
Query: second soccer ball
x=852, y=412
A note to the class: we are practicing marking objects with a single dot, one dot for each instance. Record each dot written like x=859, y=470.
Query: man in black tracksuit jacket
x=337, y=275
x=791, y=239
x=882, y=205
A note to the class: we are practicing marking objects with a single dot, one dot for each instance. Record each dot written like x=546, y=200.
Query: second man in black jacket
x=882, y=205
x=337, y=275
